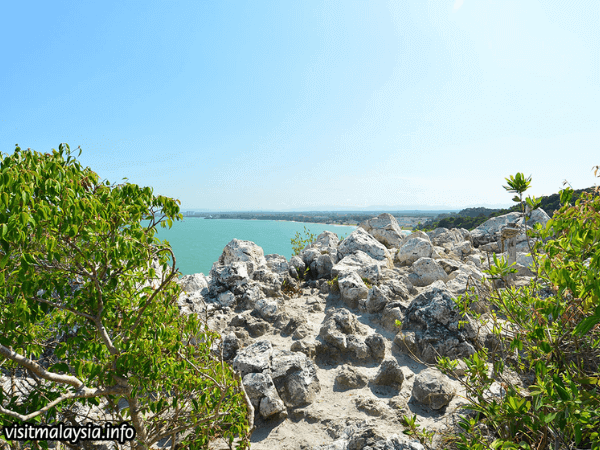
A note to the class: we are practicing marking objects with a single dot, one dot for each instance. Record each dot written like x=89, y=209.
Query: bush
x=88, y=310
x=300, y=242
x=550, y=339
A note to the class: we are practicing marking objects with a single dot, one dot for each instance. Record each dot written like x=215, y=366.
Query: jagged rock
x=433, y=388
x=268, y=309
x=377, y=298
x=463, y=249
x=341, y=330
x=246, y=252
x=226, y=299
x=323, y=266
x=441, y=236
x=262, y=394
x=362, y=264
x=537, y=216
x=295, y=378
x=489, y=231
x=231, y=345
x=357, y=346
x=297, y=264
x=327, y=239
x=363, y=436
x=431, y=328
x=413, y=249
x=426, y=271
x=257, y=327
x=305, y=346
x=376, y=344
x=351, y=378
x=391, y=313
x=399, y=288
x=449, y=265
x=371, y=406
x=385, y=229
x=389, y=374
x=254, y=358
x=352, y=288
x=359, y=239
x=278, y=264
x=231, y=275
x=194, y=283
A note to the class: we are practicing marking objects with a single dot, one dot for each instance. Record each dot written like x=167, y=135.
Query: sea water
x=197, y=243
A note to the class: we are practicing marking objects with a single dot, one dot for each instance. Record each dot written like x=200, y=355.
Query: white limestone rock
x=359, y=239
x=425, y=271
x=247, y=252
x=352, y=288
x=385, y=229
x=362, y=264
x=413, y=249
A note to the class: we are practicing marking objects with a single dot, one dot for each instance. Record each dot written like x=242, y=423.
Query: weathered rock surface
x=430, y=328
x=433, y=388
x=414, y=249
x=426, y=271
x=359, y=239
x=385, y=229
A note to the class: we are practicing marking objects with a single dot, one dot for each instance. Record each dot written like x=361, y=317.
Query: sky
x=250, y=105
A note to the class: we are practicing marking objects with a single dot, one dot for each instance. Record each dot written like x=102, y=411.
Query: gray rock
x=433, y=388
x=412, y=249
x=371, y=406
x=489, y=231
x=277, y=263
x=226, y=299
x=305, y=346
x=246, y=252
x=231, y=275
x=193, y=283
x=431, y=328
x=425, y=271
x=351, y=378
x=297, y=263
x=537, y=216
x=295, y=378
x=324, y=264
x=263, y=395
x=389, y=374
x=268, y=309
x=254, y=358
x=376, y=344
x=385, y=229
x=359, y=239
x=377, y=298
x=362, y=264
x=352, y=289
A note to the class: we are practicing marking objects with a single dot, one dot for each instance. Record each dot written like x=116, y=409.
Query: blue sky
x=276, y=105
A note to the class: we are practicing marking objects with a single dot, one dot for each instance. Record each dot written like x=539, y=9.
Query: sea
x=197, y=242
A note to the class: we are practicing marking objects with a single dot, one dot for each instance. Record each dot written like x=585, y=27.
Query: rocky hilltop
x=316, y=337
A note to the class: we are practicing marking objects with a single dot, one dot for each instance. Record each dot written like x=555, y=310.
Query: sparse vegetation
x=550, y=339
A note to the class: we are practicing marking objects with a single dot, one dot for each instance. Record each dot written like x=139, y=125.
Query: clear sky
x=256, y=104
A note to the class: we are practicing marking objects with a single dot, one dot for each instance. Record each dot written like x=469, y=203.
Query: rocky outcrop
x=432, y=388
x=360, y=240
x=385, y=229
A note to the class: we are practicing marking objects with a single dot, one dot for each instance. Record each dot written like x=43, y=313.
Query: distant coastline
x=407, y=220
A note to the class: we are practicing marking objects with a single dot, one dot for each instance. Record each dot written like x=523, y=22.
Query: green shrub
x=300, y=242
x=551, y=339
x=84, y=313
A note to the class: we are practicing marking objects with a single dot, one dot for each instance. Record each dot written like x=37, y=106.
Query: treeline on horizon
x=471, y=218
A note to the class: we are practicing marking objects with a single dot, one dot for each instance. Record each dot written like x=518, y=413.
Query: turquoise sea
x=198, y=243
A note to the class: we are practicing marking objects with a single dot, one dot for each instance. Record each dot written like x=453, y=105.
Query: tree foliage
x=549, y=337
x=88, y=312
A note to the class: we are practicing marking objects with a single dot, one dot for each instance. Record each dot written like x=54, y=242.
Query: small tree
x=88, y=318
x=551, y=338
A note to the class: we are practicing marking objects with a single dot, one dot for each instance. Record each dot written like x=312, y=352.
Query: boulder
x=413, y=249
x=432, y=388
x=385, y=229
x=254, y=358
x=231, y=275
x=489, y=231
x=278, y=264
x=267, y=308
x=350, y=378
x=352, y=289
x=305, y=346
x=426, y=271
x=226, y=299
x=342, y=332
x=431, y=328
x=441, y=236
x=389, y=374
x=362, y=264
x=295, y=378
x=246, y=252
x=376, y=344
x=196, y=282
x=323, y=266
x=359, y=239
x=262, y=394
x=377, y=298
x=537, y=216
